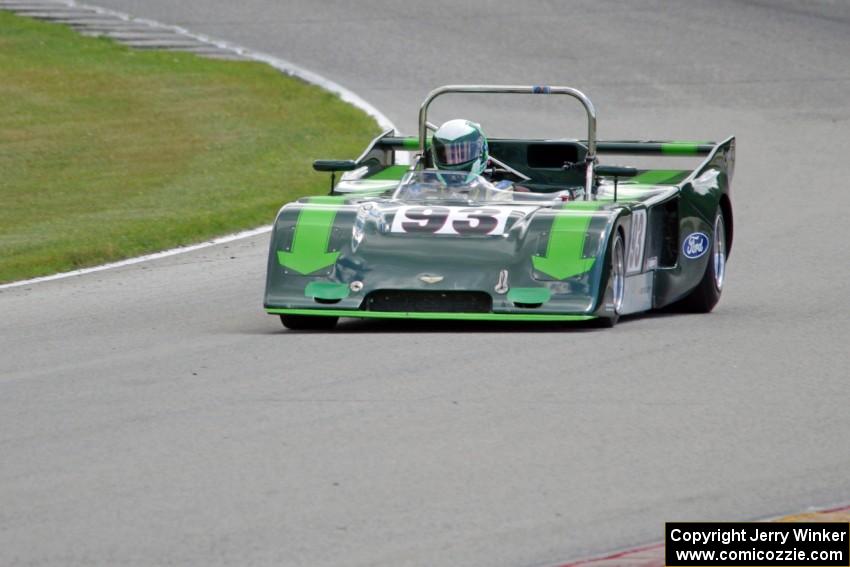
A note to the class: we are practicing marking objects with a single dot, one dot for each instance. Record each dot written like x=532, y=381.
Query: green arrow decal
x=563, y=257
x=309, y=250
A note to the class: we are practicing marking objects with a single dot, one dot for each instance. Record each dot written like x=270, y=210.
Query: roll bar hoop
x=590, y=159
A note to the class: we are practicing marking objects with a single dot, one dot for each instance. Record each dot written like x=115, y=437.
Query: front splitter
x=446, y=316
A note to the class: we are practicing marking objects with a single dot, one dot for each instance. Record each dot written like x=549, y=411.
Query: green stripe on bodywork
x=391, y=172
x=309, y=250
x=581, y=206
x=326, y=199
x=660, y=177
x=340, y=199
x=330, y=291
x=564, y=250
x=529, y=295
x=681, y=148
x=424, y=315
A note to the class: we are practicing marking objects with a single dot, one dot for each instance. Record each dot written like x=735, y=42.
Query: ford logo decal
x=695, y=245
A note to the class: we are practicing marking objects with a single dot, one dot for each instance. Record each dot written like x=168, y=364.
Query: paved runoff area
x=153, y=414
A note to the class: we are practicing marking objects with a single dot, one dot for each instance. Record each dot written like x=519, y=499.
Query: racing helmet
x=460, y=145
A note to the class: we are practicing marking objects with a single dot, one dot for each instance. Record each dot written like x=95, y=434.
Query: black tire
x=308, y=322
x=706, y=295
x=613, y=292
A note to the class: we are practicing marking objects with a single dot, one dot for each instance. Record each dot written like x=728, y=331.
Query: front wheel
x=308, y=322
x=706, y=295
x=614, y=291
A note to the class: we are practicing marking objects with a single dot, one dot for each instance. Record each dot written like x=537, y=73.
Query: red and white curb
x=648, y=556
x=653, y=555
x=282, y=65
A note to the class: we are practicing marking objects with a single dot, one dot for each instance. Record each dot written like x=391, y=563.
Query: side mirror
x=615, y=171
x=334, y=165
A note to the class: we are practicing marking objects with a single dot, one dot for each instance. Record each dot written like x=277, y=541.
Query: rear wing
x=721, y=156
x=385, y=141
x=712, y=150
x=390, y=153
x=656, y=148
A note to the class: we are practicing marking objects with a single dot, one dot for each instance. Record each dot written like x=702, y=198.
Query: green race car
x=546, y=232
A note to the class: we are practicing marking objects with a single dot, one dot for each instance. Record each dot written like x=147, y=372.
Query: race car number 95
x=450, y=220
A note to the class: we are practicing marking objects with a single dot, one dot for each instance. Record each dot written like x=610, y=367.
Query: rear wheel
x=706, y=295
x=308, y=322
x=615, y=290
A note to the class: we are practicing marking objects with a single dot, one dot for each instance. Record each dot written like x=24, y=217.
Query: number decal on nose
x=477, y=221
x=462, y=221
x=422, y=219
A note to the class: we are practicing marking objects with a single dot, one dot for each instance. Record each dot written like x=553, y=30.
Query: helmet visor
x=457, y=153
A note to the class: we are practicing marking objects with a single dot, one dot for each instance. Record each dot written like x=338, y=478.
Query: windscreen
x=455, y=186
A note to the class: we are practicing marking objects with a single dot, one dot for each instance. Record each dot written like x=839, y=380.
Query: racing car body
x=570, y=239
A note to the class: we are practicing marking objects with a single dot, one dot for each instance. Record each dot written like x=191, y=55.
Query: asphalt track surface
x=154, y=414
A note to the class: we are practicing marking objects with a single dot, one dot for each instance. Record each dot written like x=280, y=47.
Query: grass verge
x=108, y=153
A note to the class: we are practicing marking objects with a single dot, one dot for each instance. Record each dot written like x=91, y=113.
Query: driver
x=460, y=145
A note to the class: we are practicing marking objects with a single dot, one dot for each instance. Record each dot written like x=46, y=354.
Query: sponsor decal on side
x=695, y=245
x=637, y=239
